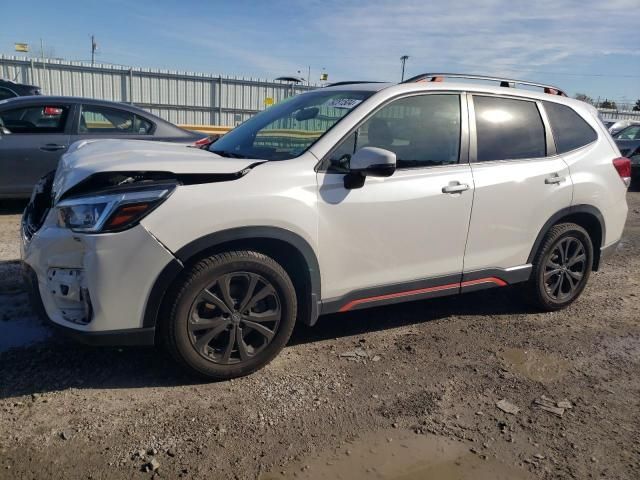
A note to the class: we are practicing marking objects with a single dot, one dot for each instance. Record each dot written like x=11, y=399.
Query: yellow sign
x=324, y=77
x=268, y=101
x=22, y=47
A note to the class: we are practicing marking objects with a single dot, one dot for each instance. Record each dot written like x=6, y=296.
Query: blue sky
x=587, y=46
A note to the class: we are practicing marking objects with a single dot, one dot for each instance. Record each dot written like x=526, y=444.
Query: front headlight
x=110, y=212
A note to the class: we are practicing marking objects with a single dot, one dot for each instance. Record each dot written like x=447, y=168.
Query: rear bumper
x=125, y=337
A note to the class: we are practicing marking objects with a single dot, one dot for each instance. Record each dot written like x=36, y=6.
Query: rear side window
x=36, y=119
x=95, y=119
x=570, y=131
x=6, y=93
x=508, y=129
x=142, y=126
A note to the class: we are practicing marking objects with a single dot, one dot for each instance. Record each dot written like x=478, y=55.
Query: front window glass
x=286, y=130
x=422, y=130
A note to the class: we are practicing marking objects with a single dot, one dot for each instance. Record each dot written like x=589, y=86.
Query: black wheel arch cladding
x=568, y=214
x=209, y=242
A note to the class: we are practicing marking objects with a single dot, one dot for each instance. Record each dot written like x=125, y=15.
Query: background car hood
x=86, y=157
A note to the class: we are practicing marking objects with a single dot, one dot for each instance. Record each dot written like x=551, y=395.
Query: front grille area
x=38, y=207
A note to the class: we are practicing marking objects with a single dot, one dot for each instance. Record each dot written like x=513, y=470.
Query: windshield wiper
x=228, y=154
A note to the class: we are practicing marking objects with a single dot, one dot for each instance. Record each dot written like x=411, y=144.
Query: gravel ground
x=470, y=387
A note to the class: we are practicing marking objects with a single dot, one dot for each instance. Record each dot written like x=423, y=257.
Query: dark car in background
x=35, y=131
x=9, y=89
x=628, y=141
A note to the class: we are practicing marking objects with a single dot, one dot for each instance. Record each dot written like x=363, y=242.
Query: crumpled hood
x=86, y=157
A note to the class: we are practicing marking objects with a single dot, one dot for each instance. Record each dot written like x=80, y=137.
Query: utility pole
x=403, y=59
x=44, y=67
x=308, y=75
x=94, y=46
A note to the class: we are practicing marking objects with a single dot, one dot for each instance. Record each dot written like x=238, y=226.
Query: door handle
x=455, y=187
x=52, y=147
x=554, y=179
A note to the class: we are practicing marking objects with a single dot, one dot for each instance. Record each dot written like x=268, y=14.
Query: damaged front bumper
x=126, y=337
x=94, y=285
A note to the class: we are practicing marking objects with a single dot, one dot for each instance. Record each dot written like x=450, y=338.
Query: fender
x=190, y=250
x=565, y=212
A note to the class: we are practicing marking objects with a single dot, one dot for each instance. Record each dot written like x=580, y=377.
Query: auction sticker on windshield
x=343, y=102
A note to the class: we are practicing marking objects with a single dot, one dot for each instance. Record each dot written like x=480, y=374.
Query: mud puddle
x=391, y=455
x=535, y=364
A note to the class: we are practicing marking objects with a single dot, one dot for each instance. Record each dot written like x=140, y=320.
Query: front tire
x=561, y=268
x=231, y=314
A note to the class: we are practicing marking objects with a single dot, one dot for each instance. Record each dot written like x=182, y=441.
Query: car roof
x=463, y=86
x=63, y=99
x=356, y=86
x=10, y=83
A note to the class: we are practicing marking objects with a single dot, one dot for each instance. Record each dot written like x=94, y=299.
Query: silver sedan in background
x=35, y=131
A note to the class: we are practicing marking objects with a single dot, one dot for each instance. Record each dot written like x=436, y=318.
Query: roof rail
x=352, y=82
x=504, y=82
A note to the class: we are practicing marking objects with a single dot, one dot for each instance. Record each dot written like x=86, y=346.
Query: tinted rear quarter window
x=570, y=131
x=508, y=129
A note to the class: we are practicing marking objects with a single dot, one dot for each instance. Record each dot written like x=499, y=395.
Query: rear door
x=519, y=180
x=39, y=135
x=96, y=121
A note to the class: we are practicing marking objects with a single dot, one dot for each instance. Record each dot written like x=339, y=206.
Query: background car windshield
x=288, y=129
x=630, y=133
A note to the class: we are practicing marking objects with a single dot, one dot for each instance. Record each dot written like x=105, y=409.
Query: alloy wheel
x=565, y=268
x=234, y=318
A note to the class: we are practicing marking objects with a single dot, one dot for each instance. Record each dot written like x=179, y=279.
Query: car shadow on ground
x=59, y=363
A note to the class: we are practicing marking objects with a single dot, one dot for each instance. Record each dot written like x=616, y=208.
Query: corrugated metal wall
x=180, y=97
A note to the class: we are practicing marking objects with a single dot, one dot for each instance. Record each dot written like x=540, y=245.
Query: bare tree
x=584, y=98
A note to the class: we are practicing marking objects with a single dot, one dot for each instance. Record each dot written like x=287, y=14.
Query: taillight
x=203, y=142
x=623, y=167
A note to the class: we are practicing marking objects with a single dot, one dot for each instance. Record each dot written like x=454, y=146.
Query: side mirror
x=307, y=113
x=369, y=162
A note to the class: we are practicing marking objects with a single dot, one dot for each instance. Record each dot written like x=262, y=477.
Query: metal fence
x=619, y=114
x=180, y=97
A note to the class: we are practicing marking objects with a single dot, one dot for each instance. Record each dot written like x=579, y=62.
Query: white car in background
x=341, y=198
x=615, y=126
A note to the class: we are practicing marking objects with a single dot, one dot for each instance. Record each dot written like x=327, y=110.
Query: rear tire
x=231, y=314
x=561, y=268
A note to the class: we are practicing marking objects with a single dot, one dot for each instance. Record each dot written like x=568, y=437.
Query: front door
x=33, y=147
x=401, y=236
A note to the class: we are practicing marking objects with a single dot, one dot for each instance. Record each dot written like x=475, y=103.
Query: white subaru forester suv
x=345, y=197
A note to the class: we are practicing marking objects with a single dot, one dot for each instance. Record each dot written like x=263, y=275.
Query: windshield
x=630, y=133
x=289, y=128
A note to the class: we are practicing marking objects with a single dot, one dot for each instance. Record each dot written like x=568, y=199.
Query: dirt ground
x=401, y=392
